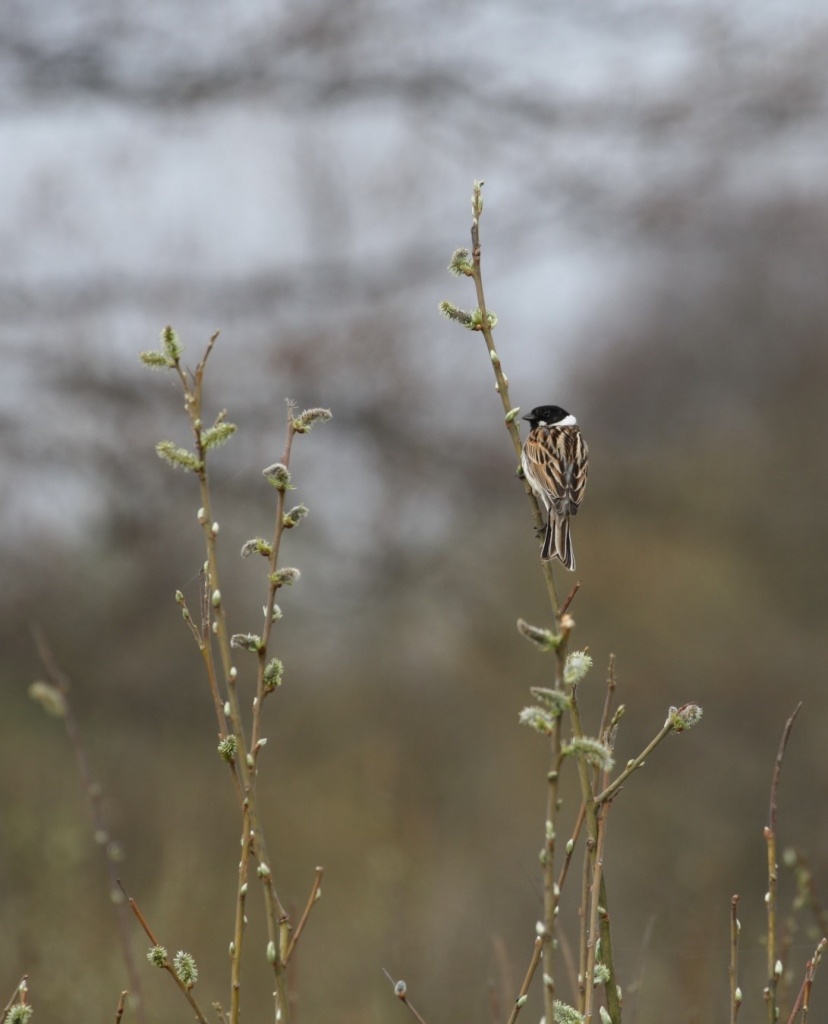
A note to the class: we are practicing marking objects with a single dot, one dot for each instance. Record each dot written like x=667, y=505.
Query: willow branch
x=527, y=981
x=502, y=386
x=19, y=994
x=637, y=762
x=119, y=1009
x=735, y=995
x=315, y=893
x=275, y=914
x=94, y=796
x=774, y=972
x=400, y=991
x=594, y=920
x=167, y=966
x=803, y=999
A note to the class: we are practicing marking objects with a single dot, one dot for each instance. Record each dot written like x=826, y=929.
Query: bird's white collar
x=567, y=421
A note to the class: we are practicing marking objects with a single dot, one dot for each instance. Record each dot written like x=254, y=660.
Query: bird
x=555, y=462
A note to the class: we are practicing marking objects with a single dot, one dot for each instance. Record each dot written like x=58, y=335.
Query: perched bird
x=555, y=460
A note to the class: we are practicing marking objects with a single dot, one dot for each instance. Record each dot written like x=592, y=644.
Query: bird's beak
x=527, y=417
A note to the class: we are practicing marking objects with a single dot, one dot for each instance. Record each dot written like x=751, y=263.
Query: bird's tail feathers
x=548, y=549
x=557, y=542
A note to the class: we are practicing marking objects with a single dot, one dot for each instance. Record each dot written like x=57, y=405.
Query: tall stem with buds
x=593, y=756
x=238, y=748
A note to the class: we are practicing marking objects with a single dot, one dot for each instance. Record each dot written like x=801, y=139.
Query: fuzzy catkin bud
x=278, y=476
x=227, y=748
x=452, y=312
x=185, y=968
x=555, y=700
x=477, y=319
x=217, y=435
x=256, y=546
x=544, y=639
x=171, y=344
x=566, y=1014
x=684, y=717
x=593, y=751
x=601, y=974
x=19, y=1013
x=477, y=209
x=539, y=719
x=273, y=674
x=284, y=577
x=178, y=458
x=247, y=642
x=578, y=663
x=157, y=956
x=155, y=360
x=460, y=264
x=49, y=698
x=305, y=420
x=294, y=516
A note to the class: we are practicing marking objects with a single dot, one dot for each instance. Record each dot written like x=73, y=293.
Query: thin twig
x=583, y=929
x=527, y=981
x=770, y=992
x=735, y=995
x=636, y=763
x=94, y=797
x=551, y=892
x=20, y=990
x=167, y=966
x=119, y=1009
x=803, y=999
x=400, y=989
x=206, y=648
x=278, y=923
x=570, y=846
x=502, y=386
x=595, y=889
x=240, y=921
x=569, y=599
x=315, y=893
x=608, y=701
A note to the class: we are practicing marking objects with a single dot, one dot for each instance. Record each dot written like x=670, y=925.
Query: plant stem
x=238, y=930
x=770, y=839
x=502, y=388
x=734, y=959
x=636, y=763
x=595, y=890
x=315, y=893
x=278, y=924
x=527, y=981
x=168, y=967
x=591, y=807
x=60, y=680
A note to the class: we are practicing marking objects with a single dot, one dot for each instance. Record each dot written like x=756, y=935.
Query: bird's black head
x=548, y=414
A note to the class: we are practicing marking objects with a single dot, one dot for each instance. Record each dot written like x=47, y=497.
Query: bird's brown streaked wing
x=580, y=461
x=542, y=457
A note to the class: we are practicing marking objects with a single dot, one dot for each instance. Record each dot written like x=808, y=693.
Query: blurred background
x=297, y=175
